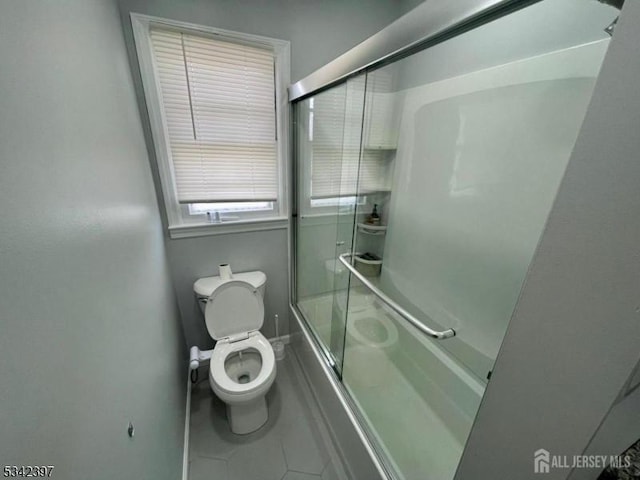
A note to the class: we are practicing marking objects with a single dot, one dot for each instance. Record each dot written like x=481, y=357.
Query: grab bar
x=448, y=333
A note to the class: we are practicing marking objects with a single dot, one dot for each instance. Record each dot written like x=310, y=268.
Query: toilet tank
x=204, y=287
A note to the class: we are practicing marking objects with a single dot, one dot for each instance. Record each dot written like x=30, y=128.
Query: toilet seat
x=234, y=308
x=234, y=313
x=224, y=348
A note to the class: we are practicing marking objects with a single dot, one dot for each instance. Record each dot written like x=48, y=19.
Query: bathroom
x=487, y=310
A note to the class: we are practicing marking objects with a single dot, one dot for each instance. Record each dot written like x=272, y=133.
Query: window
x=340, y=165
x=218, y=114
x=342, y=171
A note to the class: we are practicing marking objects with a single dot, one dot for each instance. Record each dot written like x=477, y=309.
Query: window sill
x=240, y=226
x=331, y=218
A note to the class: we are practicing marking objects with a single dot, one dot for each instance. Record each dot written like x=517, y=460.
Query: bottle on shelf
x=374, y=217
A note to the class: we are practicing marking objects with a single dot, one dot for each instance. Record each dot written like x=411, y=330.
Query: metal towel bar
x=439, y=335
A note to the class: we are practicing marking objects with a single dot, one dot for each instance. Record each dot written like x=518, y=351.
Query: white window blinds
x=326, y=144
x=337, y=168
x=218, y=99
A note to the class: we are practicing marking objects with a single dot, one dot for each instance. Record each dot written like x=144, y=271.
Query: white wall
x=544, y=27
x=479, y=160
x=90, y=336
x=318, y=32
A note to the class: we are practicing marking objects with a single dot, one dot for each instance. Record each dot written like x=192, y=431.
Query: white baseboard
x=187, y=423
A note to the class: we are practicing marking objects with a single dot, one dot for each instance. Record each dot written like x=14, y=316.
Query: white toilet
x=242, y=366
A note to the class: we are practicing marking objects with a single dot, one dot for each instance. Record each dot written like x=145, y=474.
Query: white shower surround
x=429, y=191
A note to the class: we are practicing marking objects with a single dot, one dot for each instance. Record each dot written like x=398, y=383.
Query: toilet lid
x=234, y=307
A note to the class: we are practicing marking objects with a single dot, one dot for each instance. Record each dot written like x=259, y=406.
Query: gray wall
x=192, y=258
x=318, y=32
x=620, y=429
x=573, y=340
x=90, y=332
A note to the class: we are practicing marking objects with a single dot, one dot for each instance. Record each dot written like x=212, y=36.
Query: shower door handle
x=439, y=335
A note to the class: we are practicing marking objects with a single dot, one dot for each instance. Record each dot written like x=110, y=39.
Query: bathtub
x=417, y=399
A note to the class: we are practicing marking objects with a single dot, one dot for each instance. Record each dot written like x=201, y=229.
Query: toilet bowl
x=242, y=366
x=240, y=374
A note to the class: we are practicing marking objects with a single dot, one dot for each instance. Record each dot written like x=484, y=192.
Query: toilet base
x=247, y=417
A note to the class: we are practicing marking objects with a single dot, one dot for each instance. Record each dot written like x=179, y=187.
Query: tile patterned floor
x=293, y=445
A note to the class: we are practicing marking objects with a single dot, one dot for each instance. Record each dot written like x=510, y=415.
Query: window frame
x=180, y=222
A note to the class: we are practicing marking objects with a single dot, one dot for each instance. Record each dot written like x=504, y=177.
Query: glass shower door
x=350, y=199
x=423, y=189
x=463, y=161
x=328, y=130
